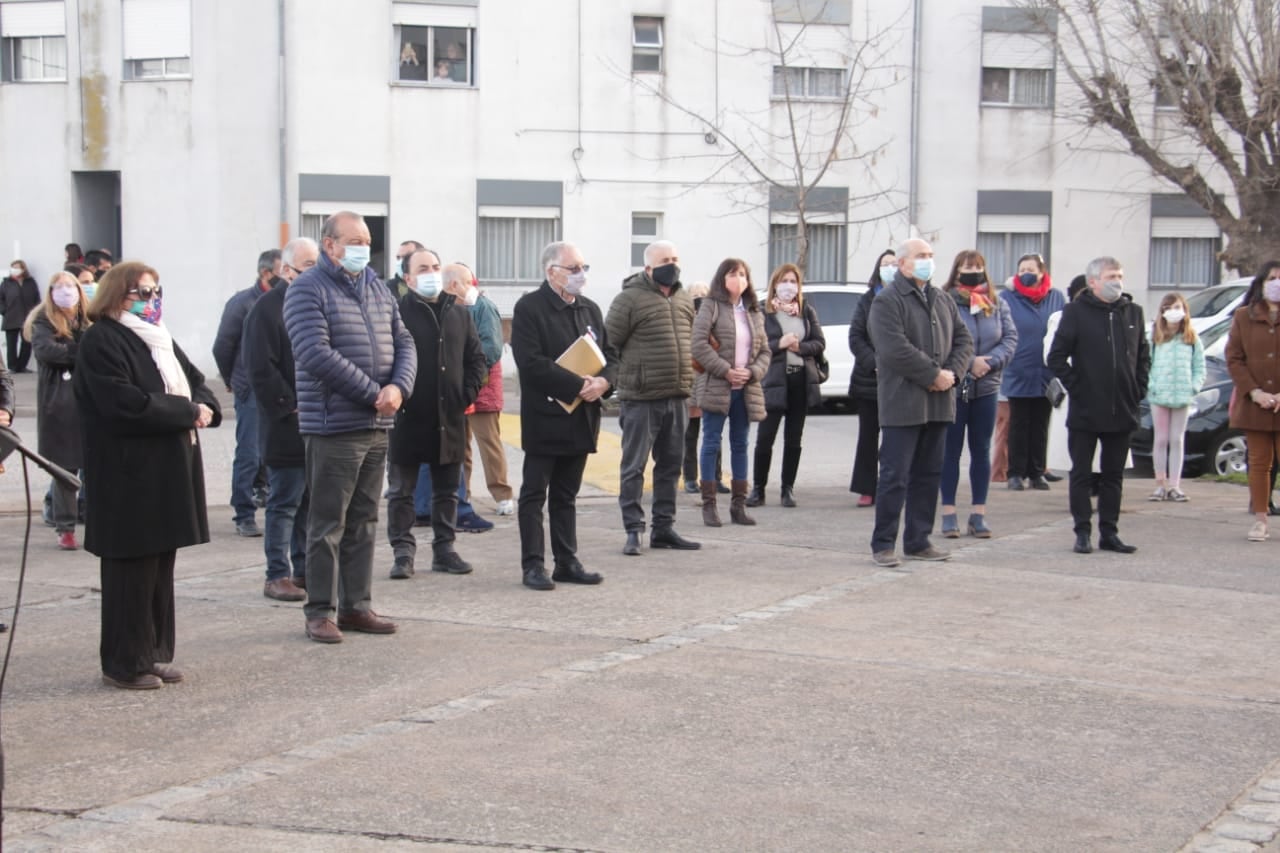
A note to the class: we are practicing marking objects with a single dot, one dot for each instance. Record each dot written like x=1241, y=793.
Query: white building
x=194, y=134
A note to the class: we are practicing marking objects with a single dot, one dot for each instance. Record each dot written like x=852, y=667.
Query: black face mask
x=666, y=275
x=972, y=279
x=276, y=281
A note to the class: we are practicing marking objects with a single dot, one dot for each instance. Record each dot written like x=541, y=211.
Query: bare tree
x=810, y=125
x=1192, y=88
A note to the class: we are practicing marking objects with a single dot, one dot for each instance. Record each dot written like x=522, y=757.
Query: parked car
x=834, y=304
x=1212, y=446
x=1212, y=304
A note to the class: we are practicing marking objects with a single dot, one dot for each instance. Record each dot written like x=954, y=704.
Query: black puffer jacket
x=1101, y=354
x=862, y=383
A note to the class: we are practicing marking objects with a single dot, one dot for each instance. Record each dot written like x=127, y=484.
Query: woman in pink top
x=732, y=355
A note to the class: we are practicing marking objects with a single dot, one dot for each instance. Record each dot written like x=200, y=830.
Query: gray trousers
x=344, y=474
x=651, y=427
x=402, y=482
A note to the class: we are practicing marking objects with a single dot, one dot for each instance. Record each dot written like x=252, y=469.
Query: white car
x=1212, y=304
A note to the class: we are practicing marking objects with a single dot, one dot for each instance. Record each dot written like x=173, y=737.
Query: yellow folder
x=584, y=358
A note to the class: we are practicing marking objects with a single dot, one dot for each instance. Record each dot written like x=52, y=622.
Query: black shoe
x=574, y=573
x=788, y=497
x=422, y=521
x=1039, y=484
x=756, y=498
x=450, y=563
x=402, y=570
x=1113, y=543
x=1016, y=484
x=632, y=548
x=722, y=489
x=1083, y=546
x=691, y=486
x=1272, y=509
x=536, y=578
x=666, y=537
x=1052, y=477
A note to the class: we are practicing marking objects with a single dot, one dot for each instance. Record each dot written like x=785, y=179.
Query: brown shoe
x=323, y=631
x=300, y=581
x=366, y=622
x=283, y=589
x=737, y=503
x=167, y=672
x=144, y=681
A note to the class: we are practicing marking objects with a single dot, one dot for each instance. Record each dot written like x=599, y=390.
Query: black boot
x=1083, y=546
x=756, y=498
x=632, y=547
x=788, y=497
x=790, y=468
x=536, y=578
x=666, y=537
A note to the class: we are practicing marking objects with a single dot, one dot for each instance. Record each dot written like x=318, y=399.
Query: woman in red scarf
x=1031, y=301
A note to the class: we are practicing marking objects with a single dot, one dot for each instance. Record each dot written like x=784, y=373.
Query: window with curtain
x=509, y=250
x=1003, y=250
x=33, y=44
x=1183, y=261
x=156, y=39
x=826, y=261
x=808, y=83
x=644, y=230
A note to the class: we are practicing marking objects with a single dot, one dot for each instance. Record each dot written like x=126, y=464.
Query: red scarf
x=976, y=297
x=1036, y=292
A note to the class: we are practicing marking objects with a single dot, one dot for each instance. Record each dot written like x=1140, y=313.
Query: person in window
x=19, y=294
x=442, y=72
x=413, y=59
x=456, y=53
x=862, y=384
x=791, y=383
x=142, y=404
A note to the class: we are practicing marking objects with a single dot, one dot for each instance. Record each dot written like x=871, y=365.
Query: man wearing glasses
x=559, y=412
x=651, y=324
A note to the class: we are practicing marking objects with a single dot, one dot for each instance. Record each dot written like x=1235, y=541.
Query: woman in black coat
x=862, y=384
x=791, y=384
x=141, y=406
x=54, y=330
x=19, y=294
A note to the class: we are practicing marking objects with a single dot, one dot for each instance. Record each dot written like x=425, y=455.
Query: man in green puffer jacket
x=651, y=323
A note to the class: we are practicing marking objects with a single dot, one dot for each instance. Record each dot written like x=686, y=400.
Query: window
x=34, y=44
x=815, y=83
x=826, y=261
x=1002, y=250
x=644, y=230
x=443, y=56
x=157, y=39
x=1184, y=261
x=1019, y=87
x=509, y=249
x=646, y=45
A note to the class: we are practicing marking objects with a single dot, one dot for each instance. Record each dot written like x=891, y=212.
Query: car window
x=1201, y=304
x=834, y=309
x=1226, y=299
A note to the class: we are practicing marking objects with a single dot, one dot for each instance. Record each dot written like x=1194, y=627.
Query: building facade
x=194, y=134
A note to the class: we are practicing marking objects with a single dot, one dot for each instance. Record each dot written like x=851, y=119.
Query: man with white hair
x=651, y=324
x=268, y=361
x=922, y=346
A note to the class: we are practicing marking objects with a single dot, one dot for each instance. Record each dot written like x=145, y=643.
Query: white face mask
x=470, y=297
x=16, y=272
x=1174, y=316
x=887, y=272
x=786, y=291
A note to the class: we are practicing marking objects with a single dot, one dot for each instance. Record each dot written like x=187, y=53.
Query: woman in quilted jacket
x=1177, y=373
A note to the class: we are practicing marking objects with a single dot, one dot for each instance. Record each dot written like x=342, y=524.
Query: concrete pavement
x=773, y=691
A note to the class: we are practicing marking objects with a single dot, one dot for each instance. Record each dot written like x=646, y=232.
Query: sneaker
x=887, y=559
x=1176, y=494
x=691, y=487
x=248, y=528
x=1159, y=494
x=67, y=541
x=402, y=570
x=474, y=524
x=1258, y=533
x=450, y=563
x=507, y=507
x=930, y=554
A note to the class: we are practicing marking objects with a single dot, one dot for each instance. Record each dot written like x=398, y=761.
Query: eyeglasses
x=574, y=270
x=146, y=291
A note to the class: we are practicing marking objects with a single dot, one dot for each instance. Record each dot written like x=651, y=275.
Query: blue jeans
x=712, y=430
x=422, y=495
x=910, y=468
x=285, y=536
x=245, y=466
x=978, y=419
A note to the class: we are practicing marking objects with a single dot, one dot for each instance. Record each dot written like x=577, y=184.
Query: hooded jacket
x=1101, y=354
x=651, y=333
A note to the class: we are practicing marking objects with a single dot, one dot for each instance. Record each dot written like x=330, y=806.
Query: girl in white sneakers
x=1177, y=373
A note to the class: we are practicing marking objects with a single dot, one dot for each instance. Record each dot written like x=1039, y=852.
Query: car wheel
x=1229, y=455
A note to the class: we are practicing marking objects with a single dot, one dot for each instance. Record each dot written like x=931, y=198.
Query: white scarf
x=160, y=342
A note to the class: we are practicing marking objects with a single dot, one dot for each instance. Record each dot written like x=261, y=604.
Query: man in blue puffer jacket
x=356, y=363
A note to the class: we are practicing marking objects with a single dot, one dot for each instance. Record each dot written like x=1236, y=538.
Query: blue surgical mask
x=888, y=272
x=429, y=284
x=923, y=269
x=355, y=258
x=89, y=289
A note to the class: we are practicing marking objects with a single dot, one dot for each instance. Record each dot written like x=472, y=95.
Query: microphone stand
x=9, y=442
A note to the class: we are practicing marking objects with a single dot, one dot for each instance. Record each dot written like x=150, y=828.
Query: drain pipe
x=282, y=78
x=913, y=196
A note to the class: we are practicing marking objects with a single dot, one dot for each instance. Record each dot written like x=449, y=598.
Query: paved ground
x=772, y=691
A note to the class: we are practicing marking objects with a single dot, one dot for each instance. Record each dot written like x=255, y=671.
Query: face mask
x=17, y=272
x=355, y=258
x=1174, y=316
x=888, y=272
x=65, y=297
x=149, y=311
x=666, y=275
x=1111, y=290
x=1028, y=279
x=787, y=292
x=574, y=283
x=972, y=279
x=924, y=269
x=1271, y=289
x=89, y=289
x=429, y=285
x=472, y=295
